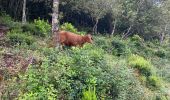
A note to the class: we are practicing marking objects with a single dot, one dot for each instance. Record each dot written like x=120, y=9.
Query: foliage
x=137, y=38
x=43, y=27
x=100, y=69
x=68, y=73
x=145, y=68
x=141, y=64
x=149, y=19
x=154, y=82
x=30, y=27
x=89, y=94
x=17, y=37
x=9, y=22
x=119, y=47
x=38, y=28
x=103, y=43
x=68, y=27
x=161, y=53
x=37, y=85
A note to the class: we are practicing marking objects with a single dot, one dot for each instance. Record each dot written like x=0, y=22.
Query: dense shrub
x=154, y=82
x=7, y=20
x=141, y=64
x=38, y=27
x=160, y=53
x=145, y=68
x=43, y=27
x=162, y=66
x=136, y=38
x=119, y=47
x=95, y=71
x=89, y=94
x=103, y=43
x=89, y=67
x=17, y=37
x=68, y=27
x=30, y=27
x=68, y=75
x=138, y=46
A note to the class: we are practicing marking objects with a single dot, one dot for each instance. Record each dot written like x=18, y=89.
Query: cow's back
x=69, y=38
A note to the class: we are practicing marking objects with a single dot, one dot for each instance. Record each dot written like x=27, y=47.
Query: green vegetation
x=111, y=68
x=89, y=94
x=18, y=37
x=141, y=64
x=68, y=27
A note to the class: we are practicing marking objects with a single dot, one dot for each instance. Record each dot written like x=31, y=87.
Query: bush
x=72, y=74
x=138, y=46
x=154, y=82
x=119, y=48
x=103, y=43
x=137, y=38
x=38, y=28
x=7, y=20
x=89, y=94
x=67, y=74
x=68, y=27
x=17, y=37
x=43, y=27
x=144, y=66
x=30, y=27
x=89, y=67
x=38, y=85
x=161, y=53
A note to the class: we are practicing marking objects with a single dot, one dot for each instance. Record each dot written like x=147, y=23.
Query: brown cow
x=71, y=39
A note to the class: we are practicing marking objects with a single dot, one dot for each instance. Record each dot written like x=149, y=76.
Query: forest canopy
x=147, y=18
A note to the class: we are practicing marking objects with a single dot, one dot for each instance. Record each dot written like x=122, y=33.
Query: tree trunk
x=127, y=33
x=55, y=26
x=162, y=35
x=55, y=21
x=24, y=12
x=95, y=27
x=114, y=27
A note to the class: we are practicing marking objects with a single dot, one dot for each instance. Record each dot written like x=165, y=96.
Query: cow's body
x=71, y=39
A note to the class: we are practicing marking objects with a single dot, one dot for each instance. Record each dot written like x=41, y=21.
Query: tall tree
x=97, y=9
x=55, y=24
x=115, y=12
x=24, y=12
x=164, y=19
x=55, y=21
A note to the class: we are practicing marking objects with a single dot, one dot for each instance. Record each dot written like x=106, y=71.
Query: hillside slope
x=111, y=68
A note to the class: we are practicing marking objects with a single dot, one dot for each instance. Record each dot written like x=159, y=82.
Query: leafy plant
x=30, y=27
x=161, y=53
x=89, y=94
x=154, y=82
x=7, y=20
x=17, y=37
x=119, y=48
x=68, y=27
x=43, y=27
x=144, y=66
